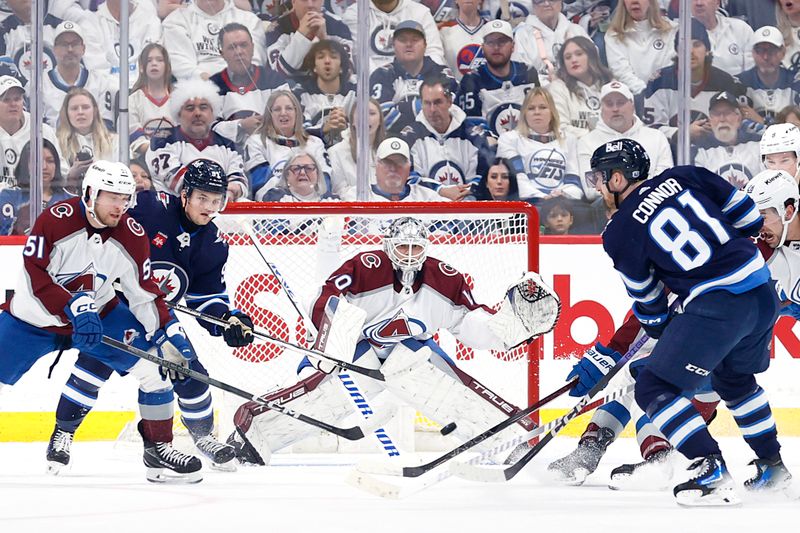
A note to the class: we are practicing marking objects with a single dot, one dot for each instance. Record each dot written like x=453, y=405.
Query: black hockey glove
x=239, y=331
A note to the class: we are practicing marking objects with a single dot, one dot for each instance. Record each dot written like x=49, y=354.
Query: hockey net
x=492, y=244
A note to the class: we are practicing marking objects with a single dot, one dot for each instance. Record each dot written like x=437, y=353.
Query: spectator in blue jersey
x=301, y=181
x=495, y=89
x=769, y=84
x=396, y=85
x=291, y=36
x=243, y=85
x=15, y=201
x=327, y=93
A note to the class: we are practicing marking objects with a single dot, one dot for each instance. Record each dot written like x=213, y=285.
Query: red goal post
x=491, y=243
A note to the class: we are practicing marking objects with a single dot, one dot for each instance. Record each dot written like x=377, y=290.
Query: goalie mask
x=775, y=189
x=406, y=244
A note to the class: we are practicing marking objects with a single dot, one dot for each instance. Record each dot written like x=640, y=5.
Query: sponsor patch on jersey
x=171, y=279
x=393, y=330
x=159, y=240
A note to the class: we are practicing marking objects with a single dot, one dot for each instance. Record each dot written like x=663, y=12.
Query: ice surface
x=105, y=490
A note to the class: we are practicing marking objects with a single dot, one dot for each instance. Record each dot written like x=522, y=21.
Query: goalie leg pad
x=427, y=381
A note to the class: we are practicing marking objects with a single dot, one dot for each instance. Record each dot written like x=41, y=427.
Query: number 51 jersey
x=687, y=229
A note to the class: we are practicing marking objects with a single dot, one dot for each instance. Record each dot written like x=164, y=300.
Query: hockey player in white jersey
x=780, y=149
x=407, y=297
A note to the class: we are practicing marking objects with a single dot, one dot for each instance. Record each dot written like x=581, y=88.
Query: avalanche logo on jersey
x=396, y=329
x=547, y=168
x=447, y=173
x=470, y=58
x=171, y=279
x=504, y=118
x=83, y=281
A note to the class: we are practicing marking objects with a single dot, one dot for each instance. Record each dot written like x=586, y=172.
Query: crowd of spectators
x=470, y=100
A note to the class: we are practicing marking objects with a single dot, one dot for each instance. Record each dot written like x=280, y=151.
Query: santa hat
x=195, y=88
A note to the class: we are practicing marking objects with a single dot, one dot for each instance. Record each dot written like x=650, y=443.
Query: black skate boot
x=578, y=465
x=711, y=485
x=654, y=473
x=221, y=455
x=771, y=475
x=245, y=453
x=165, y=464
x=58, y=450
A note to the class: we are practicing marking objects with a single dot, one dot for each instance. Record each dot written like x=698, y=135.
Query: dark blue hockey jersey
x=497, y=100
x=187, y=261
x=686, y=229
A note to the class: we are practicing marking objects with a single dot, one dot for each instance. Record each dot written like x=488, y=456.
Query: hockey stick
x=363, y=478
x=369, y=372
x=477, y=473
x=352, y=433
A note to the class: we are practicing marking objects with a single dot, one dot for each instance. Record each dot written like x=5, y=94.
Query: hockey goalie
x=391, y=302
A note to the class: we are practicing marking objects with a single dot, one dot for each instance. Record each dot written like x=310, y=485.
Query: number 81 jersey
x=687, y=229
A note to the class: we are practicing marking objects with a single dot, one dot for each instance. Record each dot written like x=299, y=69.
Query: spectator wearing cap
x=196, y=104
x=662, y=95
x=539, y=38
x=769, y=84
x=15, y=129
x=191, y=36
x=462, y=38
x=447, y=152
x=392, y=171
x=327, y=93
x=730, y=38
x=638, y=42
x=384, y=17
x=732, y=152
x=396, y=85
x=243, y=85
x=576, y=92
x=290, y=38
x=617, y=121
x=495, y=90
x=144, y=27
x=69, y=48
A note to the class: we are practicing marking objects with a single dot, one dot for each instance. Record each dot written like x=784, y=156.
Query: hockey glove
x=173, y=346
x=87, y=329
x=239, y=331
x=595, y=364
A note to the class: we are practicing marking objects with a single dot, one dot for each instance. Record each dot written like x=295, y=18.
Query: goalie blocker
x=407, y=297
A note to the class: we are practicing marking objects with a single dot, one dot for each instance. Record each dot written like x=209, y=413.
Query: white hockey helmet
x=406, y=231
x=775, y=189
x=107, y=176
x=780, y=138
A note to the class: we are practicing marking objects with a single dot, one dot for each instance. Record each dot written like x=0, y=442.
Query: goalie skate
x=578, y=465
x=58, y=451
x=654, y=473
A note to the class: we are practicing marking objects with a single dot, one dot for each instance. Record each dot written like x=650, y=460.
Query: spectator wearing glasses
x=541, y=36
x=392, y=171
x=268, y=149
x=769, y=84
x=300, y=181
x=495, y=89
x=731, y=152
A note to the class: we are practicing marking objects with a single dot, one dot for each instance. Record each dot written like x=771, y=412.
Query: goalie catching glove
x=530, y=309
x=239, y=331
x=173, y=346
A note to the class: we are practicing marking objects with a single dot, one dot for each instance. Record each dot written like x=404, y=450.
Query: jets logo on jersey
x=11, y=156
x=447, y=173
x=171, y=279
x=381, y=41
x=547, y=168
x=504, y=118
x=24, y=61
x=158, y=128
x=469, y=58
x=658, y=44
x=736, y=174
x=396, y=329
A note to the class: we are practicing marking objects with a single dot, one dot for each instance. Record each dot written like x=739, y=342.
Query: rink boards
x=594, y=303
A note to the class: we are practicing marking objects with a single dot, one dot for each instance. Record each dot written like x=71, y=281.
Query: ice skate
x=221, y=455
x=58, y=451
x=578, y=465
x=654, y=473
x=165, y=464
x=771, y=476
x=711, y=485
x=245, y=453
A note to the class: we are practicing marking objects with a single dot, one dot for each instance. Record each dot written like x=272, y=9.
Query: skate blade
x=726, y=497
x=54, y=468
x=229, y=466
x=166, y=476
x=577, y=479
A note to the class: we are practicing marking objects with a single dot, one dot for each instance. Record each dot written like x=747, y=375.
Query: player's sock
x=574, y=468
x=710, y=485
x=754, y=418
x=58, y=450
x=197, y=414
x=80, y=393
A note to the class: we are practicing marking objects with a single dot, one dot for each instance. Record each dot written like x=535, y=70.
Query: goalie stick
x=362, y=476
x=369, y=372
x=477, y=473
x=351, y=433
